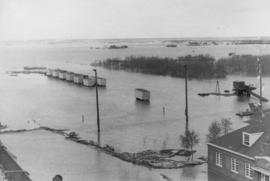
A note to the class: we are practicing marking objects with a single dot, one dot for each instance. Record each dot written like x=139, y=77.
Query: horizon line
x=183, y=38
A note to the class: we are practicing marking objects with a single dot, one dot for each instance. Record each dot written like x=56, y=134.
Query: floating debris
x=165, y=177
x=72, y=135
x=216, y=94
x=203, y=94
x=171, y=45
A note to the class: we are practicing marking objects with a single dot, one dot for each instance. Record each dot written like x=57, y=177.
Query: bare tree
x=189, y=140
x=214, y=131
x=217, y=129
x=226, y=125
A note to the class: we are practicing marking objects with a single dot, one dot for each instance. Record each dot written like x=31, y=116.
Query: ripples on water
x=125, y=123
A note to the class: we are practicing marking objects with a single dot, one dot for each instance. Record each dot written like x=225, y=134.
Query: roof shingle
x=233, y=140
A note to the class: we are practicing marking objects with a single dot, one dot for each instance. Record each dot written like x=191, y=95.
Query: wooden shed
x=142, y=94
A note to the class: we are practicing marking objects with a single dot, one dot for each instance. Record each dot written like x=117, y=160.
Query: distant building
x=243, y=154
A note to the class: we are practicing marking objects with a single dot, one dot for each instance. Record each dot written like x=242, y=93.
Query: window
x=264, y=177
x=234, y=165
x=245, y=139
x=248, y=171
x=219, y=159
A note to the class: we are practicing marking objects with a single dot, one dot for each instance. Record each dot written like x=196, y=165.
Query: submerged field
x=126, y=124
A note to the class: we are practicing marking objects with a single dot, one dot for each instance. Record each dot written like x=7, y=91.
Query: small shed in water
x=142, y=94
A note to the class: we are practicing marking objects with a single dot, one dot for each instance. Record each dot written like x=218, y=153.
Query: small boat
x=244, y=113
x=171, y=45
x=226, y=91
x=203, y=94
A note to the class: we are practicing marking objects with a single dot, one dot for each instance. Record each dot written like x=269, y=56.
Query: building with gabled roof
x=243, y=154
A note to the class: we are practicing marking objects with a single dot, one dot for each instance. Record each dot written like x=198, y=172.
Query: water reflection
x=189, y=172
x=142, y=105
x=99, y=138
x=243, y=99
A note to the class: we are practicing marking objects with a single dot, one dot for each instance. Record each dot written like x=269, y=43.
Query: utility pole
x=186, y=89
x=96, y=85
x=217, y=87
x=260, y=74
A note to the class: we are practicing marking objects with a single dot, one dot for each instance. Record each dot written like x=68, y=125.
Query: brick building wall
x=225, y=170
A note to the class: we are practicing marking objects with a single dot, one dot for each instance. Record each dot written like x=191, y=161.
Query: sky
x=91, y=19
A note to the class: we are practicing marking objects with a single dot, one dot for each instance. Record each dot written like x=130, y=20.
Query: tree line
x=245, y=64
x=199, y=66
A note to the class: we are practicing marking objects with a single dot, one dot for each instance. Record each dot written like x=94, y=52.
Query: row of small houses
x=76, y=78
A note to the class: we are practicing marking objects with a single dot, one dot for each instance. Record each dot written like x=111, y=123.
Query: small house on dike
x=55, y=73
x=69, y=76
x=89, y=81
x=101, y=82
x=243, y=154
x=78, y=78
x=49, y=72
x=62, y=74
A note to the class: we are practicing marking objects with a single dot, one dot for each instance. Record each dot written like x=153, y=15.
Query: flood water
x=125, y=124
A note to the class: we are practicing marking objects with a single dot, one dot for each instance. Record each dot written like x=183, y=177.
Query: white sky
x=61, y=19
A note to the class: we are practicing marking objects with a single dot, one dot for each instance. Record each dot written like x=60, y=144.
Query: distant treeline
x=246, y=42
x=201, y=66
x=245, y=64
